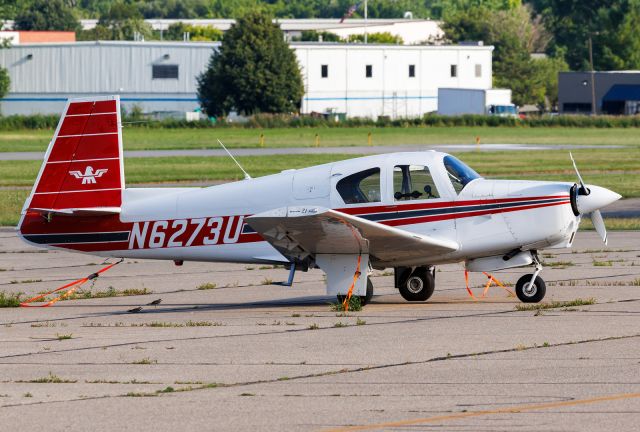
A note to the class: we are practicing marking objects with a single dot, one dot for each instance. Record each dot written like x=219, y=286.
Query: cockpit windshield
x=459, y=173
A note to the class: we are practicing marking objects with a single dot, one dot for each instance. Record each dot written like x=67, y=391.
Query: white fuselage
x=487, y=217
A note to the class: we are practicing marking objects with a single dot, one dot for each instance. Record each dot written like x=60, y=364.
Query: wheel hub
x=529, y=289
x=415, y=285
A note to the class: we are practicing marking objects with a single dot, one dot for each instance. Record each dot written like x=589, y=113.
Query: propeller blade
x=575, y=167
x=598, y=224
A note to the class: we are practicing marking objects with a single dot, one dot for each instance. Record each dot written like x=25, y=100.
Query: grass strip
x=185, y=138
x=555, y=304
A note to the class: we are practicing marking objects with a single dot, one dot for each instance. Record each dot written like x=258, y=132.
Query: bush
x=37, y=121
x=270, y=121
x=5, y=82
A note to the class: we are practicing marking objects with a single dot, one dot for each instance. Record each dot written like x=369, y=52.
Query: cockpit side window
x=459, y=173
x=413, y=182
x=361, y=187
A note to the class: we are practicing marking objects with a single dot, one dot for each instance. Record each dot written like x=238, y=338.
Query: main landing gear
x=531, y=288
x=415, y=284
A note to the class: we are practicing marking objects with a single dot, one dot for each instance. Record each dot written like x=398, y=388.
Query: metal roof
x=181, y=44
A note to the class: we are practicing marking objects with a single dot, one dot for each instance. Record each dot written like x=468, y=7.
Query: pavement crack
x=345, y=371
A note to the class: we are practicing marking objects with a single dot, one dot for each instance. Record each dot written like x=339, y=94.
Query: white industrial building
x=356, y=79
x=412, y=31
x=388, y=80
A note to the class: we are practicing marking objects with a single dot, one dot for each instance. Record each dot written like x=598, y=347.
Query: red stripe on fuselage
x=436, y=218
x=381, y=208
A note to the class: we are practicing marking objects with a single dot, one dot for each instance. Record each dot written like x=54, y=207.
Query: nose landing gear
x=531, y=288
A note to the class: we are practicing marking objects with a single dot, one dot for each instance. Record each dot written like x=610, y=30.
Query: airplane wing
x=297, y=232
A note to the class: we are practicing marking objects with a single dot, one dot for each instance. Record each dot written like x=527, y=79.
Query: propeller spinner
x=589, y=200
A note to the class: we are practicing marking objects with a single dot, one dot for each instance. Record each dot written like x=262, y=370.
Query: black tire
x=363, y=299
x=419, y=285
x=528, y=294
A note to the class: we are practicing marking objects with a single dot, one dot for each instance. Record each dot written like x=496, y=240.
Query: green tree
x=545, y=71
x=120, y=22
x=254, y=71
x=314, y=36
x=46, y=15
x=196, y=33
x=381, y=38
x=611, y=25
x=5, y=82
x=511, y=32
x=8, y=9
x=174, y=8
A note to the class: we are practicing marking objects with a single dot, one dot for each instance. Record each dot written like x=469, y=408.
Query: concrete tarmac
x=249, y=355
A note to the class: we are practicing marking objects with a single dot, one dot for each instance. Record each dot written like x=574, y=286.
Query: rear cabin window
x=413, y=182
x=362, y=187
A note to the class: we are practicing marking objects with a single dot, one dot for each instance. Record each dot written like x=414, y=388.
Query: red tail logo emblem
x=89, y=176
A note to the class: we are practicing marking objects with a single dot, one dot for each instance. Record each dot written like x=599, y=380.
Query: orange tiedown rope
x=356, y=275
x=497, y=282
x=486, y=288
x=72, y=285
x=466, y=282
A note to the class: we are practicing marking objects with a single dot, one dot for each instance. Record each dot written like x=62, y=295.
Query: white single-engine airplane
x=408, y=211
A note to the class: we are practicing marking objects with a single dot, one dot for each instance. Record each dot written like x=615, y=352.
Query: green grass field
x=145, y=139
x=11, y=202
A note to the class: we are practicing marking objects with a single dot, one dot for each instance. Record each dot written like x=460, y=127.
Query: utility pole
x=593, y=81
x=366, y=11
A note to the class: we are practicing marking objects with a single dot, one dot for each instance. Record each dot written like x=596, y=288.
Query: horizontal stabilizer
x=88, y=211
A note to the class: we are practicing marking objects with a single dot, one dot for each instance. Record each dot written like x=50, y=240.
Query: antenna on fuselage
x=246, y=174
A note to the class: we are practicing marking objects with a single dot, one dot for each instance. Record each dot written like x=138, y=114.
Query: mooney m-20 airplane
x=406, y=211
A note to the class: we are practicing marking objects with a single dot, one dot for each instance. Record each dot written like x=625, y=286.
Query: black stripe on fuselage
x=399, y=213
x=407, y=214
x=78, y=238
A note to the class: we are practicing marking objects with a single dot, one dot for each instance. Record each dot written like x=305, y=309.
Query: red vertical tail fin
x=82, y=171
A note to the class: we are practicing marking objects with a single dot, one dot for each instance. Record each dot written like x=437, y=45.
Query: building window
x=478, y=71
x=324, y=71
x=576, y=107
x=412, y=71
x=164, y=72
x=454, y=71
x=369, y=71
